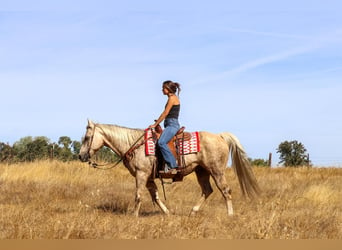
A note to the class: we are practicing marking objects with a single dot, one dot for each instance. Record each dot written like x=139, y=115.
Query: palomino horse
x=210, y=161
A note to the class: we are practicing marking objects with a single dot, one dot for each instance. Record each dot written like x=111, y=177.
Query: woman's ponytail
x=178, y=87
x=173, y=87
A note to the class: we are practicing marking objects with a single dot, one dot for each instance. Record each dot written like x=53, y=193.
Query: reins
x=98, y=166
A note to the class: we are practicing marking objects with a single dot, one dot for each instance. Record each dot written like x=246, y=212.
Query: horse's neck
x=119, y=139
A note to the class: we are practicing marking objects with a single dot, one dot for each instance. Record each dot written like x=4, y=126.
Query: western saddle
x=180, y=136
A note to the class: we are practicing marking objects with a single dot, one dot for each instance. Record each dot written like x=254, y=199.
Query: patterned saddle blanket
x=184, y=144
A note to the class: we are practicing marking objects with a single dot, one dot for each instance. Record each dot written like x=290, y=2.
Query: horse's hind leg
x=203, y=180
x=152, y=188
x=222, y=185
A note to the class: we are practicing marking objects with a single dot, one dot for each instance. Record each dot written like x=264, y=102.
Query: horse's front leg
x=152, y=188
x=140, y=180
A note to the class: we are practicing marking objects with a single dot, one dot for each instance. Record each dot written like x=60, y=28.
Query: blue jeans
x=171, y=128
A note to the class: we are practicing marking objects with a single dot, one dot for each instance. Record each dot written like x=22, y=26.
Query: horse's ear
x=90, y=123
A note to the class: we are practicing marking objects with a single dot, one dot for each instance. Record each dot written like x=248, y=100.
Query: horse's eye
x=85, y=138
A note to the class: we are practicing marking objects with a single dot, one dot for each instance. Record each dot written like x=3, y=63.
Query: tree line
x=29, y=149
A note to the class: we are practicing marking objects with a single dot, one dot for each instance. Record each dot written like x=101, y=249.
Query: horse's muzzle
x=84, y=157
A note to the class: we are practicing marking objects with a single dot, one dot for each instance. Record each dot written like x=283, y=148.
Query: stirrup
x=168, y=170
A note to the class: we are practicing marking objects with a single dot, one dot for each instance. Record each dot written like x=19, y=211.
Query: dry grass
x=54, y=200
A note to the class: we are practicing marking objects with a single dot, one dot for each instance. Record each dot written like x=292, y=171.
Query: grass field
x=55, y=200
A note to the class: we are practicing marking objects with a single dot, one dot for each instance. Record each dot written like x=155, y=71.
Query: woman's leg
x=168, y=133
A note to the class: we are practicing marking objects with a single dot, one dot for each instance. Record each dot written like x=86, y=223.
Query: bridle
x=127, y=155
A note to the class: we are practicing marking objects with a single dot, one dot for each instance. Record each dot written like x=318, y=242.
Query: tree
x=292, y=154
x=65, y=141
x=76, y=147
x=64, y=153
x=36, y=148
x=259, y=162
x=6, y=152
x=20, y=148
x=30, y=149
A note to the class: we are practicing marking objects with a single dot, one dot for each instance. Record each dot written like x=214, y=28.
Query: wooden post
x=270, y=159
x=52, y=151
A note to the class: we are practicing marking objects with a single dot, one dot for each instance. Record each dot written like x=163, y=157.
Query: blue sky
x=266, y=71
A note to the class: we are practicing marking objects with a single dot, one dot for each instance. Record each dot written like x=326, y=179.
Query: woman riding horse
x=171, y=124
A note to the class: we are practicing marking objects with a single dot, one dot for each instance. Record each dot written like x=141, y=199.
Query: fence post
x=270, y=159
x=52, y=153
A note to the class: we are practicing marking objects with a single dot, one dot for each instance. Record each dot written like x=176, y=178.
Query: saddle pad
x=190, y=146
x=184, y=148
x=150, y=146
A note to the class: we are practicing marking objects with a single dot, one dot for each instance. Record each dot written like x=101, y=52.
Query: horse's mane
x=121, y=134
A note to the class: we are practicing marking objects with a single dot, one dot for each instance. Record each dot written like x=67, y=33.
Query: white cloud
x=320, y=41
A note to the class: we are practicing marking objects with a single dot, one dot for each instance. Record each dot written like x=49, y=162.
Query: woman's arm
x=171, y=101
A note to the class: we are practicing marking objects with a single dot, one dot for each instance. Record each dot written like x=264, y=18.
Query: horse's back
x=213, y=147
x=211, y=140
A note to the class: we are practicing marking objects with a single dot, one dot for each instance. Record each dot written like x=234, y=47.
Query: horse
x=211, y=160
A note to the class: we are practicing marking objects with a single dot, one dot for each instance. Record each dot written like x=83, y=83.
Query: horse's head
x=91, y=142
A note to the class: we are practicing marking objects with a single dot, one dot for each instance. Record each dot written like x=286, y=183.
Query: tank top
x=174, y=112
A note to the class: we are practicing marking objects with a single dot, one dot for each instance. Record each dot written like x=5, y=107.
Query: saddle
x=180, y=136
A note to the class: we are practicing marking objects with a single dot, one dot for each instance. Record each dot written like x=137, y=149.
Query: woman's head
x=172, y=87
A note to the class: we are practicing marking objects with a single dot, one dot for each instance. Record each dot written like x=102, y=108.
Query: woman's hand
x=153, y=125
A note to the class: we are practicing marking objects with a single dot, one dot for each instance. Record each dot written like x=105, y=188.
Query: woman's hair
x=173, y=87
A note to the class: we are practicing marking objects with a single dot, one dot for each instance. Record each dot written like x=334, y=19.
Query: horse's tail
x=241, y=166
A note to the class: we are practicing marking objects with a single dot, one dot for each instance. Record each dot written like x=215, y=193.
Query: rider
x=171, y=124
